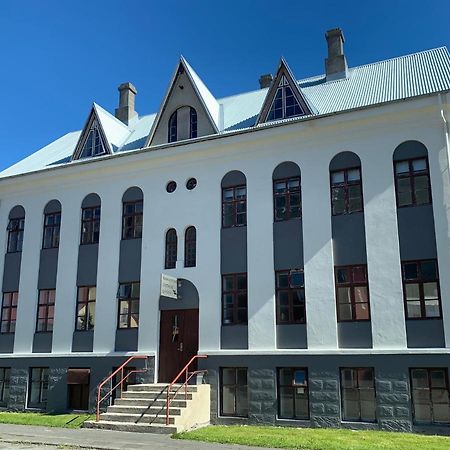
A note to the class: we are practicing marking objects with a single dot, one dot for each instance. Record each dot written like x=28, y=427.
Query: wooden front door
x=178, y=342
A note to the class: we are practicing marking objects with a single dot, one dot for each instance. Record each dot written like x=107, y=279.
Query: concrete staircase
x=142, y=408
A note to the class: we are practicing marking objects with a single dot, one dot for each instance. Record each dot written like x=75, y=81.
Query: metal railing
x=120, y=383
x=188, y=376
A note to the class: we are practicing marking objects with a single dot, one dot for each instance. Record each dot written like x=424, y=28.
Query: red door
x=178, y=342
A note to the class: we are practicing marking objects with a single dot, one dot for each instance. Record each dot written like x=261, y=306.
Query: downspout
x=446, y=128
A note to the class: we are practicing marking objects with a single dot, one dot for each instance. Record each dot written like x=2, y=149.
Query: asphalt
x=31, y=437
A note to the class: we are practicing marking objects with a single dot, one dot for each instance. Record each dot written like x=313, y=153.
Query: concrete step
x=136, y=418
x=133, y=409
x=159, y=388
x=150, y=403
x=152, y=396
x=133, y=427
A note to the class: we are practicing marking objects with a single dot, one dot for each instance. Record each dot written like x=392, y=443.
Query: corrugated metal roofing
x=422, y=73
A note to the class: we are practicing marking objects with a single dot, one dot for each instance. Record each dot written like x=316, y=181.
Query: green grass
x=48, y=420
x=316, y=439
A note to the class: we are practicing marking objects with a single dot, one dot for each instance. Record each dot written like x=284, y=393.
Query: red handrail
x=120, y=383
x=188, y=376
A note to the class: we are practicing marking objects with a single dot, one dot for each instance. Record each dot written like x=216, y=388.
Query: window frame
x=341, y=391
x=235, y=389
x=292, y=386
x=171, y=250
x=87, y=302
x=283, y=85
x=235, y=293
x=430, y=388
x=17, y=231
x=352, y=285
x=56, y=226
x=5, y=380
x=11, y=324
x=43, y=385
x=92, y=221
x=291, y=291
x=94, y=130
x=421, y=282
x=133, y=216
x=346, y=185
x=190, y=248
x=48, y=327
x=234, y=202
x=130, y=301
x=287, y=196
x=411, y=178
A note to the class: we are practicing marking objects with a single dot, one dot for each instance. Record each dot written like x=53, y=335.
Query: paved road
x=32, y=437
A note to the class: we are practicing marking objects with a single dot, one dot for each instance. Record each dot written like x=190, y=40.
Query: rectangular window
x=234, y=206
x=129, y=305
x=9, y=312
x=46, y=310
x=132, y=220
x=287, y=198
x=412, y=182
x=52, y=225
x=15, y=234
x=352, y=293
x=233, y=392
x=293, y=400
x=290, y=292
x=5, y=375
x=90, y=225
x=234, y=299
x=86, y=308
x=421, y=289
x=346, y=191
x=38, y=386
x=430, y=396
x=358, y=394
x=78, y=388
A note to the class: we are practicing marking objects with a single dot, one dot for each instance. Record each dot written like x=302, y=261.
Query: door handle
x=180, y=348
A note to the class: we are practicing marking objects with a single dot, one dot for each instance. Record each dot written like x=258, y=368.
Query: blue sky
x=57, y=57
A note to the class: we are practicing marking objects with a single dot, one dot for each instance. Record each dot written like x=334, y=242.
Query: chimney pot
x=265, y=80
x=127, y=97
x=336, y=63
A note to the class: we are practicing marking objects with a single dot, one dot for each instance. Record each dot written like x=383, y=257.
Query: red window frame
x=130, y=304
x=171, y=249
x=287, y=193
x=46, y=310
x=131, y=229
x=411, y=175
x=234, y=204
x=421, y=281
x=293, y=303
x=84, y=300
x=16, y=227
x=190, y=247
x=351, y=284
x=92, y=223
x=235, y=293
x=52, y=229
x=9, y=312
x=346, y=185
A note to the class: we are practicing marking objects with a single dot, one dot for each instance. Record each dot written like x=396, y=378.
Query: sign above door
x=169, y=286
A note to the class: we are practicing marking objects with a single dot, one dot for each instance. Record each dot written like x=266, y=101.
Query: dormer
x=284, y=98
x=188, y=110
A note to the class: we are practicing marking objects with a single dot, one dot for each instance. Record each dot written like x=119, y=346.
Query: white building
x=307, y=224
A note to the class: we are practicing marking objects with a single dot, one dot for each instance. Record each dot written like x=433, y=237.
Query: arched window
x=182, y=124
x=52, y=224
x=171, y=249
x=132, y=213
x=190, y=247
x=16, y=227
x=234, y=200
x=286, y=191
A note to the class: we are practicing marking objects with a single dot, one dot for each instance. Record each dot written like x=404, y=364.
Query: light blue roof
x=418, y=74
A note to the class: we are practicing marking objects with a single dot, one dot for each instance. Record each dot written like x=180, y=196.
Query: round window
x=191, y=183
x=171, y=186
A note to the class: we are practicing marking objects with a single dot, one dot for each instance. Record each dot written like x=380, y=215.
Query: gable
x=284, y=98
x=185, y=91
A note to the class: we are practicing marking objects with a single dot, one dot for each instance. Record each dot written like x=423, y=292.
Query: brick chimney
x=125, y=112
x=265, y=80
x=336, y=63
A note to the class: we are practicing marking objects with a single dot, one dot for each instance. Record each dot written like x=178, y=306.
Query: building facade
x=307, y=224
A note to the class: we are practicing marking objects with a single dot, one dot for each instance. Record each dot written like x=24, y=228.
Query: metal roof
x=422, y=73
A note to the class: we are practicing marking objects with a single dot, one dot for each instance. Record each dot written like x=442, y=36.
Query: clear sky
x=59, y=56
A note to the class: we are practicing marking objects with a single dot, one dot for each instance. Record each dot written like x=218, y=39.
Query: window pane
x=402, y=167
x=353, y=175
x=413, y=310
x=368, y=406
x=419, y=164
x=438, y=378
x=337, y=177
x=421, y=190
x=359, y=274
x=410, y=271
x=361, y=294
x=345, y=312
x=297, y=279
x=228, y=376
x=286, y=402
x=419, y=378
x=228, y=400
x=430, y=291
x=361, y=311
x=404, y=192
x=241, y=401
x=350, y=402
x=432, y=308
x=286, y=377
x=344, y=295
x=412, y=291
x=280, y=187
x=342, y=276
x=283, y=280
x=429, y=270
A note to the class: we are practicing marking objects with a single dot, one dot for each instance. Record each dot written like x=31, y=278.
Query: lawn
x=315, y=439
x=48, y=420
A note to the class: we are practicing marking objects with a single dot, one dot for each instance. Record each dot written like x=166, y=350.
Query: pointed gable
x=102, y=134
x=284, y=98
x=188, y=109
